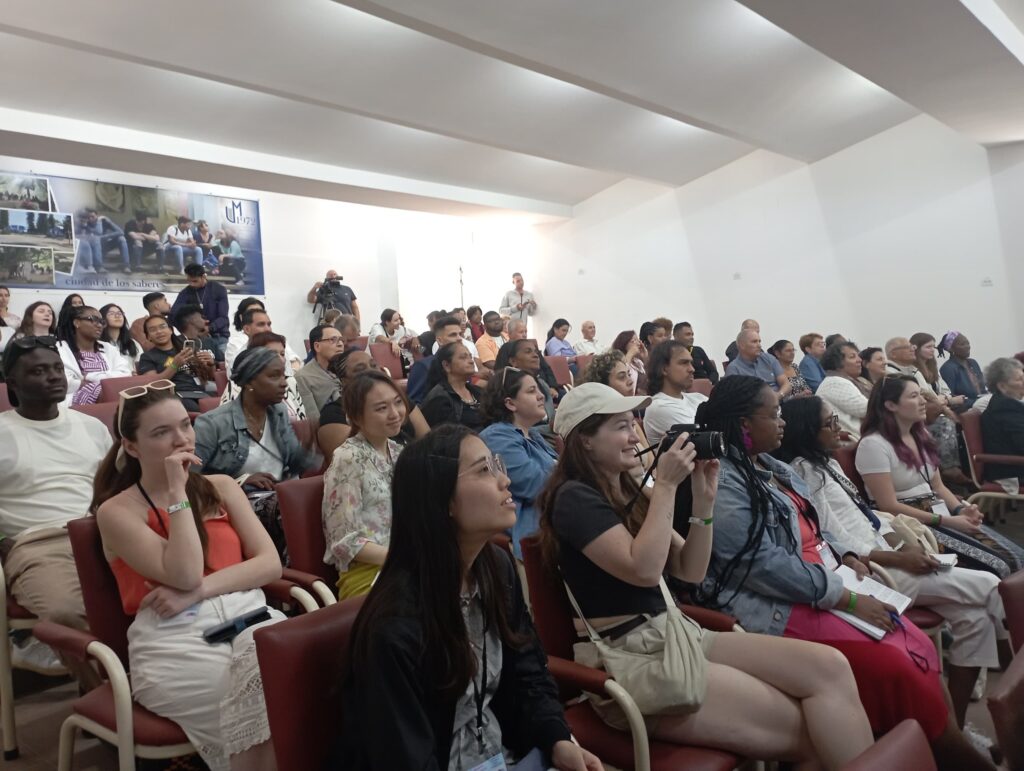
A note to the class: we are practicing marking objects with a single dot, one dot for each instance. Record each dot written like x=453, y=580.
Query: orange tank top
x=223, y=549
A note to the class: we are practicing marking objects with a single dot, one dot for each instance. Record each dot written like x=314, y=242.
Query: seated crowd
x=434, y=447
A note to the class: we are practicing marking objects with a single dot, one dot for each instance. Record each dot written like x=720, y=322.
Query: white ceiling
x=546, y=102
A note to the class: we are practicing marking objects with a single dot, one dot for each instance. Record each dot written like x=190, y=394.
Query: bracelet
x=178, y=507
x=959, y=508
x=852, y=606
x=174, y=366
x=936, y=519
x=701, y=522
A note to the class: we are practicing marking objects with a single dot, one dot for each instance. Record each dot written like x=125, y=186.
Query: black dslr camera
x=709, y=444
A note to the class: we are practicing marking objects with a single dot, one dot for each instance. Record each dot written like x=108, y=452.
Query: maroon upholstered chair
x=300, y=502
x=702, y=386
x=560, y=367
x=582, y=362
x=847, y=458
x=113, y=386
x=5, y=402
x=386, y=358
x=300, y=660
x=105, y=412
x=552, y=617
x=1006, y=706
x=1011, y=589
x=905, y=748
x=970, y=422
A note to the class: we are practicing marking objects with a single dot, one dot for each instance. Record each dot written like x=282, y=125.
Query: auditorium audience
x=70, y=305
x=279, y=345
x=703, y=367
x=115, y=332
x=155, y=304
x=87, y=361
x=733, y=350
x=39, y=321
x=349, y=328
x=316, y=384
x=488, y=344
x=785, y=353
x=588, y=343
x=449, y=329
x=474, y=315
x=898, y=460
x=772, y=567
x=556, y=344
x=609, y=368
x=872, y=365
x=752, y=361
x=834, y=338
x=514, y=403
x=187, y=553
x=651, y=334
x=669, y=380
x=49, y=456
x=357, y=486
x=757, y=696
x=254, y=320
x=212, y=299
x=968, y=599
x=523, y=354
x=1002, y=422
x=635, y=357
x=11, y=319
x=451, y=398
x=941, y=419
x=193, y=326
x=813, y=346
x=961, y=373
x=239, y=339
x=842, y=389
x=445, y=669
x=190, y=368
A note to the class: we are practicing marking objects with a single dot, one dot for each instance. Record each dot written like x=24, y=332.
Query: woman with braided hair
x=772, y=567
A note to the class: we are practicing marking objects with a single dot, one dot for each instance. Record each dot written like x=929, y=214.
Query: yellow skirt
x=357, y=580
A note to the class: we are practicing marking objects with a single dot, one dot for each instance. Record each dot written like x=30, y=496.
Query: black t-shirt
x=332, y=413
x=580, y=515
x=338, y=296
x=132, y=226
x=157, y=361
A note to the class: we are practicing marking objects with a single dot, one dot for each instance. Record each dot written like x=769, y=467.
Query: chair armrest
x=1002, y=460
x=709, y=619
x=283, y=591
x=71, y=642
x=312, y=584
x=577, y=675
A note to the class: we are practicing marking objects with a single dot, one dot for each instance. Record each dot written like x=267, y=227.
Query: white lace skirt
x=214, y=692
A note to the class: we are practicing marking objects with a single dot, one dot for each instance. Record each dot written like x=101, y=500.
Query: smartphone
x=231, y=628
x=190, y=345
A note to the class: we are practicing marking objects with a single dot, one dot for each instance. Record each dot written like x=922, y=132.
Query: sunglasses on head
x=30, y=342
x=135, y=392
x=504, y=373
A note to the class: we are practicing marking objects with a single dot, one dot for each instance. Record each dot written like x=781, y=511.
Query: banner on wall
x=87, y=234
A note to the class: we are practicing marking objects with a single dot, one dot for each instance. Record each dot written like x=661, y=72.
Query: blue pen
x=895, y=619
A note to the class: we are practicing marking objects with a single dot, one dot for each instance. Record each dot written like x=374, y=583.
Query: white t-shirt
x=470, y=345
x=47, y=467
x=584, y=347
x=876, y=456
x=182, y=235
x=264, y=455
x=665, y=411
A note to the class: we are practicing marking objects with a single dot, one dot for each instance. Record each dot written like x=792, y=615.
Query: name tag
x=940, y=507
x=828, y=559
x=495, y=763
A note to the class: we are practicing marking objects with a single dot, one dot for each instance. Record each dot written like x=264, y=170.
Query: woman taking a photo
x=514, y=403
x=452, y=398
x=357, y=486
x=968, y=599
x=87, y=361
x=188, y=553
x=773, y=568
x=444, y=667
x=899, y=462
x=758, y=696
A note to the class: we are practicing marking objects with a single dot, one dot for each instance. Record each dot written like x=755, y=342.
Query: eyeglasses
x=776, y=416
x=140, y=390
x=93, y=319
x=494, y=464
x=504, y=373
x=115, y=313
x=28, y=342
x=832, y=421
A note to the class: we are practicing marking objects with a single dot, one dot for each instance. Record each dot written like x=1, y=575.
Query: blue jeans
x=91, y=250
x=179, y=252
x=139, y=249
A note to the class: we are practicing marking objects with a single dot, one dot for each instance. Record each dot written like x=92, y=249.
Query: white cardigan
x=117, y=366
x=848, y=402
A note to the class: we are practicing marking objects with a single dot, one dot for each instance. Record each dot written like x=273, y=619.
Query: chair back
x=360, y=343
x=385, y=357
x=301, y=665
x=1011, y=589
x=220, y=377
x=111, y=388
x=560, y=367
x=701, y=385
x=552, y=613
x=582, y=362
x=847, y=458
x=904, y=747
x=1006, y=706
x=5, y=402
x=209, y=404
x=970, y=422
x=300, y=502
x=107, y=619
x=105, y=412
x=306, y=433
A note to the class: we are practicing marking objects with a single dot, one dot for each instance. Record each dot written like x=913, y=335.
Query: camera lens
x=708, y=444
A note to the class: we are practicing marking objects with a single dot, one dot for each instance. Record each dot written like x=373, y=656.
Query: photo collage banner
x=86, y=234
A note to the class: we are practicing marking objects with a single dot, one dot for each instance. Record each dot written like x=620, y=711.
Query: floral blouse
x=357, y=500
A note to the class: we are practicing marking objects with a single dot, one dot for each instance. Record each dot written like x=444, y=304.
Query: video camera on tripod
x=325, y=297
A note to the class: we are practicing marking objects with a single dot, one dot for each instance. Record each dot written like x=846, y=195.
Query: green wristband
x=852, y=605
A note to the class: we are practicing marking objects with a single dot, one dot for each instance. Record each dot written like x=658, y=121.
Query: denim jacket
x=779, y=577
x=222, y=440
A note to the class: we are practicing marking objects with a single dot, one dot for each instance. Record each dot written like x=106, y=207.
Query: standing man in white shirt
x=517, y=303
x=589, y=343
x=669, y=378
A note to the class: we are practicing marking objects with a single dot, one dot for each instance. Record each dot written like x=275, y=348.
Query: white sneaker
x=980, y=742
x=979, y=685
x=37, y=657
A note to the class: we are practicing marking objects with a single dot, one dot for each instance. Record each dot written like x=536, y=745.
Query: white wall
x=894, y=235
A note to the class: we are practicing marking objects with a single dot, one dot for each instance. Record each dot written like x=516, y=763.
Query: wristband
x=936, y=520
x=959, y=508
x=178, y=507
x=701, y=522
x=174, y=366
x=852, y=606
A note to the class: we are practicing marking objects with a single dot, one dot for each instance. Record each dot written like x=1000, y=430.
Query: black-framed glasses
x=832, y=421
x=28, y=342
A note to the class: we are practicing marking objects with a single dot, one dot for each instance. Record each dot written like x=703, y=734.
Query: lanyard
x=479, y=694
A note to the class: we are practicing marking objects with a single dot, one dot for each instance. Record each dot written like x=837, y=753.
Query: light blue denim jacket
x=222, y=441
x=779, y=578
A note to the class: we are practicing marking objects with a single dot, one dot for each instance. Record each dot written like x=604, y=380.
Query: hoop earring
x=748, y=441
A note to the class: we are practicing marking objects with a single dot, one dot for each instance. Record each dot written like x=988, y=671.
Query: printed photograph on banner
x=26, y=266
x=44, y=230
x=22, y=191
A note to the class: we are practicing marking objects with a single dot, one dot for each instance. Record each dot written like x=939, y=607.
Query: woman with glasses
x=444, y=667
x=842, y=389
x=968, y=599
x=188, y=554
x=452, y=398
x=357, y=486
x=772, y=566
x=115, y=332
x=87, y=360
x=514, y=403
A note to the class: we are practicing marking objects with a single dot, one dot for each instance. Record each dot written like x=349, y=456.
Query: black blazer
x=1002, y=430
x=703, y=367
x=443, y=405
x=395, y=719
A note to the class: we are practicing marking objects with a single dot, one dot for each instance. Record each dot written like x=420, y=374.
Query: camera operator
x=331, y=293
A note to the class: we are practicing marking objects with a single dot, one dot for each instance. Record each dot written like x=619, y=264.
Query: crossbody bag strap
x=591, y=632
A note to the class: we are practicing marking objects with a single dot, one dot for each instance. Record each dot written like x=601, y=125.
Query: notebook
x=871, y=588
